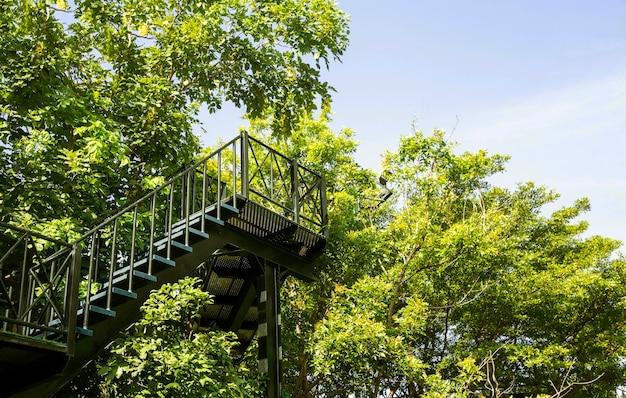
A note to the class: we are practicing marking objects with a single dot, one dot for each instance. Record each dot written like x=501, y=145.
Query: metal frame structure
x=39, y=280
x=243, y=194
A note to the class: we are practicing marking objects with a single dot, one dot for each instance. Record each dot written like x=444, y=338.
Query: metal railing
x=286, y=187
x=60, y=280
x=39, y=281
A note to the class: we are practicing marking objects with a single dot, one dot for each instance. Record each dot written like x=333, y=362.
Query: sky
x=541, y=81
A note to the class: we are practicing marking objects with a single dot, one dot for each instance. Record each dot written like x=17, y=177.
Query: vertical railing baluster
x=6, y=311
x=244, y=165
x=187, y=208
x=31, y=301
x=131, y=260
x=181, y=208
x=168, y=227
x=24, y=300
x=152, y=227
x=204, y=193
x=219, y=185
x=192, y=177
x=295, y=190
x=26, y=313
x=112, y=263
x=272, y=161
x=96, y=270
x=93, y=258
x=72, y=291
x=234, y=174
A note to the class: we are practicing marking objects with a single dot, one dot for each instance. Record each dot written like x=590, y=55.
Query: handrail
x=245, y=148
x=149, y=195
x=34, y=233
x=47, y=298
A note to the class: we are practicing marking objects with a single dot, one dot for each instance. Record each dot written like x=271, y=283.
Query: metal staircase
x=235, y=217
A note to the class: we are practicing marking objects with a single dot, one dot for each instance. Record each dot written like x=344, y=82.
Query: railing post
x=112, y=264
x=219, y=185
x=268, y=333
x=244, y=164
x=295, y=190
x=71, y=309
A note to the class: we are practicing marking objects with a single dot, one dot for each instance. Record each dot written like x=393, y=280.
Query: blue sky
x=541, y=81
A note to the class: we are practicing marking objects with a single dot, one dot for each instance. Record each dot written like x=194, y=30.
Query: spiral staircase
x=240, y=219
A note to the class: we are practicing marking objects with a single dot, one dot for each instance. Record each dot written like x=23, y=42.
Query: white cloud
x=583, y=109
x=572, y=140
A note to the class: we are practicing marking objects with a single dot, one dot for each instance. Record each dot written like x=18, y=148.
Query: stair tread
x=102, y=311
x=125, y=293
x=144, y=275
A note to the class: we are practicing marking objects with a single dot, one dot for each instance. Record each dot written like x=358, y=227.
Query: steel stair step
x=159, y=263
x=84, y=331
x=177, y=249
x=102, y=311
x=124, y=293
x=227, y=211
x=178, y=232
x=144, y=276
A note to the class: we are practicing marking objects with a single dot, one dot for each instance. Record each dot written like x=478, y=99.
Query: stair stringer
x=127, y=313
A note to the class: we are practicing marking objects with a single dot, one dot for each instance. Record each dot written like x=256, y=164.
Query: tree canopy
x=98, y=98
x=454, y=287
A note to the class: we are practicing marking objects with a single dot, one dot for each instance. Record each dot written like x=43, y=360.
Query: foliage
x=457, y=289
x=165, y=355
x=350, y=189
x=354, y=348
x=99, y=97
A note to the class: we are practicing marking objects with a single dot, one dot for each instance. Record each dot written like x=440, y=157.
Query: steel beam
x=268, y=333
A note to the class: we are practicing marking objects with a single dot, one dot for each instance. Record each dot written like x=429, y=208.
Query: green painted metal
x=270, y=350
x=244, y=195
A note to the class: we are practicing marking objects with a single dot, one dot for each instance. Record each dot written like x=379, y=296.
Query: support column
x=270, y=350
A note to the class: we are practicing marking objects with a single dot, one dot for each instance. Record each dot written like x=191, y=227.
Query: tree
x=457, y=289
x=98, y=98
x=503, y=281
x=166, y=354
